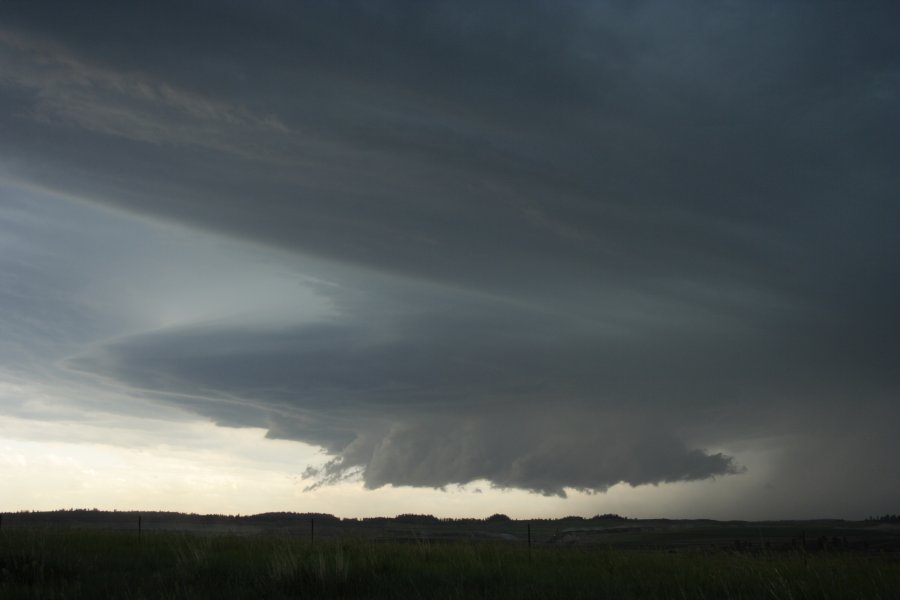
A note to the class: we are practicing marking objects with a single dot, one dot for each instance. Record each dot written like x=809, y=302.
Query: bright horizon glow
x=251, y=474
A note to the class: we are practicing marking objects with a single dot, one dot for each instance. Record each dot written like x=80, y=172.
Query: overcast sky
x=534, y=257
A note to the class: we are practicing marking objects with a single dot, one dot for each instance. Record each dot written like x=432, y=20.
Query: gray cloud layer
x=595, y=237
x=436, y=398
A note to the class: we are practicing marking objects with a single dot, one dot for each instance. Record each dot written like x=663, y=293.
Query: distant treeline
x=885, y=519
x=495, y=518
x=85, y=515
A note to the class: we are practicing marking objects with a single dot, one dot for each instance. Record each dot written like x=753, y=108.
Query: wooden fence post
x=529, y=541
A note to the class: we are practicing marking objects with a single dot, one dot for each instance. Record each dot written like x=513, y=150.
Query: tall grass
x=98, y=564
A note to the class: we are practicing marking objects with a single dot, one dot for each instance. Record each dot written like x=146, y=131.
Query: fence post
x=140, y=528
x=529, y=541
x=312, y=530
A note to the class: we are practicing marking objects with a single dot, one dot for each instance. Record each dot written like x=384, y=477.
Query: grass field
x=82, y=563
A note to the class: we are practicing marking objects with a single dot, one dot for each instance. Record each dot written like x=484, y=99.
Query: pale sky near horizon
x=458, y=258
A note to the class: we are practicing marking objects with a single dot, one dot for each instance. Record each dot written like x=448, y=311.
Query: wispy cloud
x=70, y=90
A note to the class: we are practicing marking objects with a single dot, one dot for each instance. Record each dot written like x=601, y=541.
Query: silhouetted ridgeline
x=609, y=530
x=404, y=527
x=75, y=516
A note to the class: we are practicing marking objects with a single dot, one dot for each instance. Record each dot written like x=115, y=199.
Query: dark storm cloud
x=435, y=398
x=580, y=144
x=639, y=214
x=434, y=390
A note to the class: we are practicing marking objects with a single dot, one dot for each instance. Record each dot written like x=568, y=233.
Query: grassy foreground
x=81, y=563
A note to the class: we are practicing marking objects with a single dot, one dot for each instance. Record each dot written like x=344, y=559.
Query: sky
x=368, y=258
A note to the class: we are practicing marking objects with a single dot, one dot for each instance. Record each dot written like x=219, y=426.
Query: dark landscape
x=94, y=554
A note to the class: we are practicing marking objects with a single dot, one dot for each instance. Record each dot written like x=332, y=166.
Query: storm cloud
x=435, y=399
x=562, y=244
